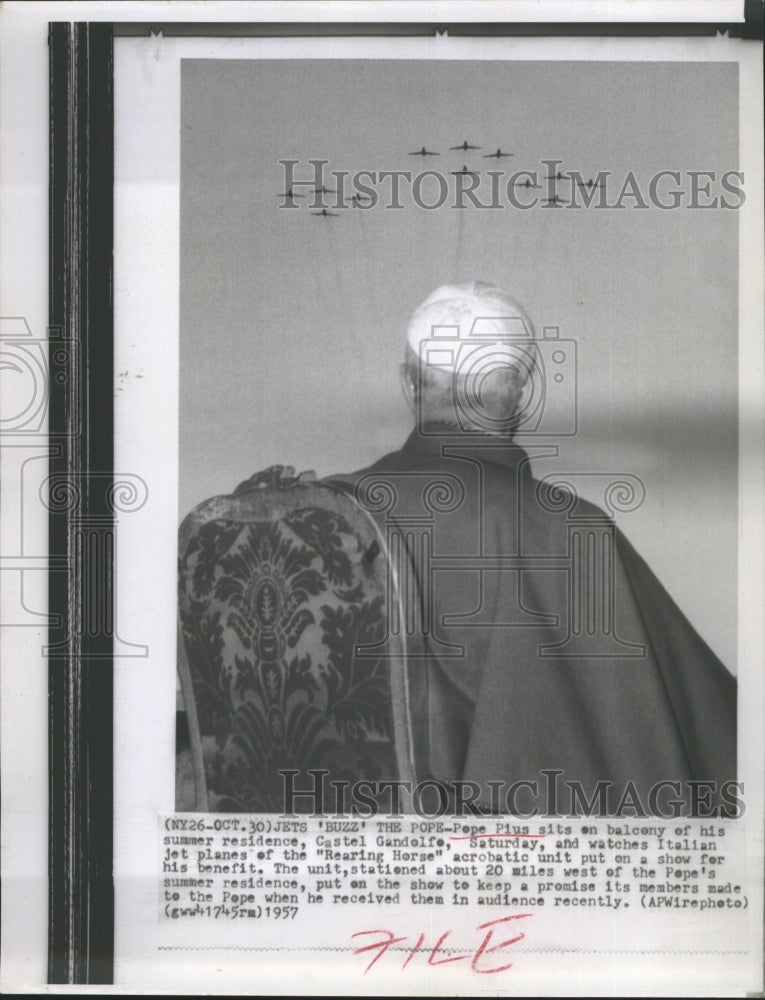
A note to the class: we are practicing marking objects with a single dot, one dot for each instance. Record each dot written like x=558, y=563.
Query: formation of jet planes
x=362, y=199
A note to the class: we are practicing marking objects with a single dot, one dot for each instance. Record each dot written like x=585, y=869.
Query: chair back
x=285, y=658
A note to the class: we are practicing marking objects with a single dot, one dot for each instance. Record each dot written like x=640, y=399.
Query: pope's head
x=469, y=355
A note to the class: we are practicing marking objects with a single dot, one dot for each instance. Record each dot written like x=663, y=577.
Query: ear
x=407, y=387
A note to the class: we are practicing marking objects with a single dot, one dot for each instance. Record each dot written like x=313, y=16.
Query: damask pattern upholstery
x=280, y=583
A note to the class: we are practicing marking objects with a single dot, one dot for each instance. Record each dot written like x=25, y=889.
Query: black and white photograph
x=382, y=466
x=473, y=405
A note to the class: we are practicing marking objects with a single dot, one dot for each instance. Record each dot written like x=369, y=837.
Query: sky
x=293, y=326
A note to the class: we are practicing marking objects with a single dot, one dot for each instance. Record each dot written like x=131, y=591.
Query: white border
x=23, y=284
x=386, y=10
x=23, y=669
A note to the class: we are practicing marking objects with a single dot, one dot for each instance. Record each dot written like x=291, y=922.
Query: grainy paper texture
x=611, y=186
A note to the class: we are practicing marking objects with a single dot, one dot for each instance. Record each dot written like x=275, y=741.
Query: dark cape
x=542, y=647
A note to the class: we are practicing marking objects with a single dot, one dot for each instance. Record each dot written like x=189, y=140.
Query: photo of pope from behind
x=542, y=651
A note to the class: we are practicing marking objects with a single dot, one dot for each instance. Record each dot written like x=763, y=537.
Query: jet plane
x=360, y=199
x=555, y=200
x=423, y=152
x=497, y=155
x=465, y=146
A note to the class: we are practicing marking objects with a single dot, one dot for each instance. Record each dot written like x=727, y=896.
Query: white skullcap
x=468, y=309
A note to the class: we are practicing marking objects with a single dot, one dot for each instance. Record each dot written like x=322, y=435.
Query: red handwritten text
x=479, y=957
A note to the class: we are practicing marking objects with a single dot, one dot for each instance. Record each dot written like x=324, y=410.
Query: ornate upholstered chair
x=285, y=658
